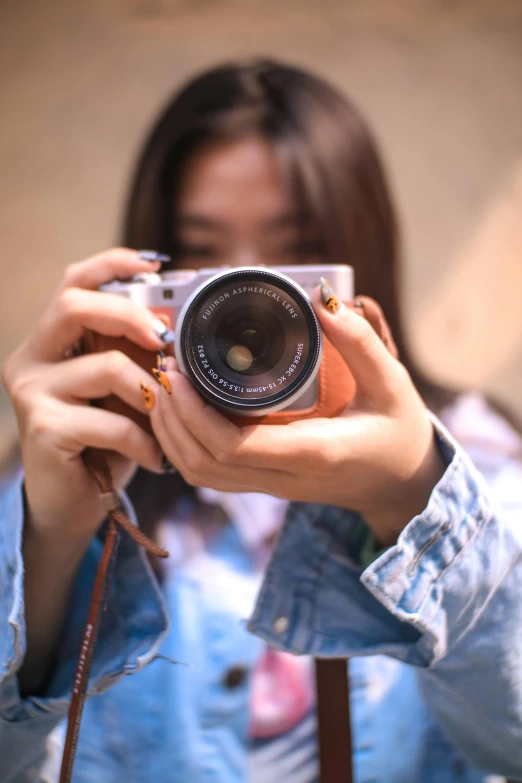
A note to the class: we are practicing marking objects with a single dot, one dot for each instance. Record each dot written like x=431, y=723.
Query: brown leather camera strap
x=333, y=720
x=97, y=464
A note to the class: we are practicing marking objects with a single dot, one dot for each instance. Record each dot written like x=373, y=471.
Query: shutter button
x=235, y=677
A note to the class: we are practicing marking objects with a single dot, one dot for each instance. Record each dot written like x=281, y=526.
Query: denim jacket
x=433, y=628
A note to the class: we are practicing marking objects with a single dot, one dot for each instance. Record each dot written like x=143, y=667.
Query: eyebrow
x=285, y=220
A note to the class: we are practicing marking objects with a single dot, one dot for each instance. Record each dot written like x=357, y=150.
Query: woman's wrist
x=408, y=498
x=63, y=543
x=51, y=560
x=63, y=549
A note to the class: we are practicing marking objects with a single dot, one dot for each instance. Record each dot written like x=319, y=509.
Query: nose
x=246, y=255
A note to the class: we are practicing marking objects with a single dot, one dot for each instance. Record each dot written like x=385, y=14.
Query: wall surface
x=441, y=82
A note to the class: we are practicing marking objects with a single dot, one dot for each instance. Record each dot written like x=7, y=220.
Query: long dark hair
x=329, y=159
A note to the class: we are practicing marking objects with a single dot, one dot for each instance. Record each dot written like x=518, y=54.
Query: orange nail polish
x=162, y=378
x=328, y=298
x=148, y=396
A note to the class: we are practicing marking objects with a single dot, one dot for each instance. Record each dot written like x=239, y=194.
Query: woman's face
x=233, y=209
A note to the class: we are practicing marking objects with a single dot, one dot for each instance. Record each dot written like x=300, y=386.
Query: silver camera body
x=247, y=337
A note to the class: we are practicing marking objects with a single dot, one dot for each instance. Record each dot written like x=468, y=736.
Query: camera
x=247, y=338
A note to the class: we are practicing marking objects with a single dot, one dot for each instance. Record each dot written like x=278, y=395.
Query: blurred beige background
x=441, y=80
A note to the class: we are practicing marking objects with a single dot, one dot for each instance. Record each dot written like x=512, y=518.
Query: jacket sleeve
x=445, y=599
x=131, y=631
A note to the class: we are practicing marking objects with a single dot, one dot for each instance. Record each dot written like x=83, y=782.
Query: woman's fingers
x=374, y=369
x=77, y=310
x=118, y=263
x=207, y=426
x=105, y=430
x=373, y=313
x=183, y=450
x=190, y=457
x=57, y=426
x=98, y=375
x=204, y=445
x=279, y=451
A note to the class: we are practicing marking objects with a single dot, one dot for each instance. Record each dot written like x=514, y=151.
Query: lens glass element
x=250, y=340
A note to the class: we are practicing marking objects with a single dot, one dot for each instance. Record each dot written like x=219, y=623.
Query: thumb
x=369, y=361
x=373, y=313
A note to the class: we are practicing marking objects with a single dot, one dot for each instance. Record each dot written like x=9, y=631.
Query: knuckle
x=8, y=374
x=116, y=363
x=20, y=393
x=330, y=457
x=70, y=274
x=115, y=253
x=321, y=457
x=19, y=385
x=224, y=457
x=67, y=304
x=195, y=465
x=191, y=478
x=38, y=425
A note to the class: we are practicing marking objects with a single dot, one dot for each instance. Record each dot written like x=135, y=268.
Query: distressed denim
x=433, y=629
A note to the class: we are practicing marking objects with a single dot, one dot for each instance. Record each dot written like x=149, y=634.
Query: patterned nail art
x=148, y=396
x=166, y=465
x=159, y=372
x=153, y=255
x=328, y=298
x=162, y=378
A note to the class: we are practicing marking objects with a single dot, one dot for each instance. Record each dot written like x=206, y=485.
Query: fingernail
x=328, y=298
x=148, y=396
x=163, y=331
x=162, y=378
x=358, y=307
x=166, y=465
x=153, y=255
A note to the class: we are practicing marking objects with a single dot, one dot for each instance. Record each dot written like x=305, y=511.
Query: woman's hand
x=51, y=394
x=379, y=457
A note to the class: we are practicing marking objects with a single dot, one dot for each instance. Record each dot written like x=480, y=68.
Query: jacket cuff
x=318, y=599
x=12, y=626
x=312, y=600
x=407, y=578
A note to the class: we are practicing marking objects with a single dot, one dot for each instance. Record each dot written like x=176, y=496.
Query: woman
x=259, y=164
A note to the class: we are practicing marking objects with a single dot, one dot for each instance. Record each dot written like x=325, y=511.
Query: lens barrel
x=249, y=341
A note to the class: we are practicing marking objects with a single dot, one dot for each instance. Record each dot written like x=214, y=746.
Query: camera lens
x=249, y=341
